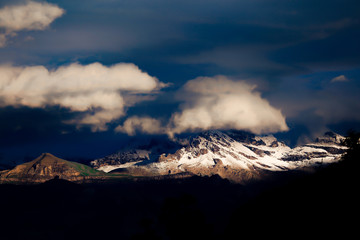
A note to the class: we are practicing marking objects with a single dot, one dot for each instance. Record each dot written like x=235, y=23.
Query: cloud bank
x=100, y=94
x=27, y=16
x=214, y=103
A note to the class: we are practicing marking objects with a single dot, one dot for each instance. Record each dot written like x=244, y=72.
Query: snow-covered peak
x=214, y=135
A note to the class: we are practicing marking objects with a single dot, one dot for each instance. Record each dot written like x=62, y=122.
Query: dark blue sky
x=303, y=56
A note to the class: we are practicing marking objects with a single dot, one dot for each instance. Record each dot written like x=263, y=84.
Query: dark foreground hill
x=317, y=206
x=324, y=204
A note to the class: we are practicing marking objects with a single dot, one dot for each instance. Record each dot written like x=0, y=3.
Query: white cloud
x=341, y=78
x=214, y=103
x=27, y=16
x=146, y=125
x=99, y=92
x=220, y=103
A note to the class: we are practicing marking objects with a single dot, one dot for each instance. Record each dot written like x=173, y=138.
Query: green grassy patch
x=85, y=170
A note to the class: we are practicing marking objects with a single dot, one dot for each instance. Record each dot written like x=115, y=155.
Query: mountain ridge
x=235, y=155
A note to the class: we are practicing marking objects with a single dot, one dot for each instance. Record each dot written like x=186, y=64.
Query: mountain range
x=235, y=155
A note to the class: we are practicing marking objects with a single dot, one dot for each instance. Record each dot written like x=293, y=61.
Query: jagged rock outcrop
x=132, y=155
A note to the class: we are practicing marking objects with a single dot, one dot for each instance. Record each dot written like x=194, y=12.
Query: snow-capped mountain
x=235, y=155
x=134, y=154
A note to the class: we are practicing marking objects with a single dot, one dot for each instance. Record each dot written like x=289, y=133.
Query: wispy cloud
x=341, y=78
x=26, y=17
x=146, y=125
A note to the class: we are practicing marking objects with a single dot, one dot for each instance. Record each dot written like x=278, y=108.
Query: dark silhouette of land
x=294, y=205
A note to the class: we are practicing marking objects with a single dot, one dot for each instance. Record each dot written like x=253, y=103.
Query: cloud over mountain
x=25, y=17
x=214, y=103
x=221, y=103
x=100, y=94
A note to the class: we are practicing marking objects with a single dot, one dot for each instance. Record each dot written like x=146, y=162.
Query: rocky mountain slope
x=234, y=155
x=47, y=167
x=135, y=153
